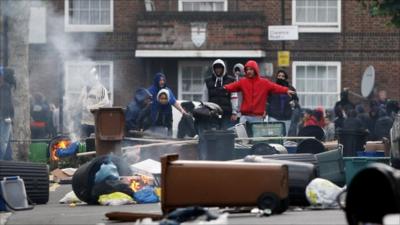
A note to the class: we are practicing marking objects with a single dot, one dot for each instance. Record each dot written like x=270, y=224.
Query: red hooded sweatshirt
x=255, y=91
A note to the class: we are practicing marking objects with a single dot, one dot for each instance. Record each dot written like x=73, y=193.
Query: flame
x=61, y=144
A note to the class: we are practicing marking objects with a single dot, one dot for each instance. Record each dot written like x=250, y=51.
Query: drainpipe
x=5, y=32
x=283, y=20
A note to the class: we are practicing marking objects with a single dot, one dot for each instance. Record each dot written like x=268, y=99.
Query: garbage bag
x=110, y=186
x=322, y=193
x=146, y=195
x=116, y=198
x=69, y=198
x=108, y=170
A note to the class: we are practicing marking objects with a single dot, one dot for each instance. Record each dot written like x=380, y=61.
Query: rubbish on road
x=116, y=198
x=210, y=183
x=13, y=195
x=83, y=179
x=59, y=176
x=300, y=175
x=322, y=193
x=372, y=193
x=108, y=170
x=35, y=176
x=69, y=198
x=183, y=215
x=148, y=166
x=146, y=194
x=132, y=217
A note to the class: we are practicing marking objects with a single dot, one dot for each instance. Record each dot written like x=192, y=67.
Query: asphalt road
x=55, y=213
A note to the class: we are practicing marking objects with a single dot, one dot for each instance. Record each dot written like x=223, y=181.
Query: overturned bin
x=83, y=180
x=373, y=193
x=223, y=184
x=300, y=175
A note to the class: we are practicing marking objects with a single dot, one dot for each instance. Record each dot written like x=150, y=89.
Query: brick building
x=130, y=40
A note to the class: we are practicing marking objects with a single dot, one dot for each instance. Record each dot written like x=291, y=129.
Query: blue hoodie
x=154, y=89
x=133, y=115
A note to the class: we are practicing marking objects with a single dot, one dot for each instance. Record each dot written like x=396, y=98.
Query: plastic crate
x=354, y=164
x=371, y=154
x=266, y=129
x=331, y=166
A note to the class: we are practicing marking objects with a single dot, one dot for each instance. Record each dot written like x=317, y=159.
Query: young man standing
x=213, y=92
x=255, y=91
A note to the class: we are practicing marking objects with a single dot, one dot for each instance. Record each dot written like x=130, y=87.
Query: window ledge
x=89, y=28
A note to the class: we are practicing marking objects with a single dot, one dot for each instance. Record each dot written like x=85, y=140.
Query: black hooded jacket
x=137, y=114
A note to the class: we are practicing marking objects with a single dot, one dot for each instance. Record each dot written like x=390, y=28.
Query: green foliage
x=390, y=8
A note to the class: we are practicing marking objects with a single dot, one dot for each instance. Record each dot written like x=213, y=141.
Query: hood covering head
x=165, y=91
x=240, y=67
x=219, y=78
x=253, y=64
x=157, y=79
x=142, y=94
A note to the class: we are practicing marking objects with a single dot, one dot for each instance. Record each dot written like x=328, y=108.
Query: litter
x=116, y=198
x=322, y=194
x=69, y=198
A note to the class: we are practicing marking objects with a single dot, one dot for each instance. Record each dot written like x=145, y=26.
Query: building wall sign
x=283, y=33
x=199, y=33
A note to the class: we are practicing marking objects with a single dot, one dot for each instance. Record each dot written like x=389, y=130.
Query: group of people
x=242, y=98
x=246, y=96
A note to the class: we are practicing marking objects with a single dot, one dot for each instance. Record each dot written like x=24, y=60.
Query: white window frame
x=88, y=28
x=180, y=3
x=68, y=64
x=181, y=64
x=318, y=63
x=318, y=27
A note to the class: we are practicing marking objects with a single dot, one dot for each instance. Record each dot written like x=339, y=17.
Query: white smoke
x=72, y=49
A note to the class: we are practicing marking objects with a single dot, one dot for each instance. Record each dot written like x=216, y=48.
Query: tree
x=389, y=8
x=18, y=13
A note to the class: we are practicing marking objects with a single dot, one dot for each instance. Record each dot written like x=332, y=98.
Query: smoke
x=72, y=50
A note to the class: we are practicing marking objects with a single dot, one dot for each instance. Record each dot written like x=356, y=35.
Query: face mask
x=282, y=82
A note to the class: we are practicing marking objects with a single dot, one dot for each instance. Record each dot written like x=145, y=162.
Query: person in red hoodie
x=255, y=91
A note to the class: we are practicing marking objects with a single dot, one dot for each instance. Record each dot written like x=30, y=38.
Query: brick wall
x=363, y=41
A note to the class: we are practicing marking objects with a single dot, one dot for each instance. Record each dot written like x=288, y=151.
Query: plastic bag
x=107, y=170
x=146, y=195
x=322, y=193
x=69, y=198
x=116, y=198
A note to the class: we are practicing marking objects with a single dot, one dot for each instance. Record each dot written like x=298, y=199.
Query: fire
x=61, y=144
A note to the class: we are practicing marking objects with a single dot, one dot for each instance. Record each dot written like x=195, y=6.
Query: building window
x=317, y=83
x=191, y=79
x=203, y=5
x=76, y=73
x=317, y=15
x=89, y=15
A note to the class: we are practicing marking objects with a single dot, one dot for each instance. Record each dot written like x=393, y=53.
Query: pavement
x=56, y=213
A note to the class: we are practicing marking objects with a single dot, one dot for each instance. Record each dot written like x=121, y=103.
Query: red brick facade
x=363, y=41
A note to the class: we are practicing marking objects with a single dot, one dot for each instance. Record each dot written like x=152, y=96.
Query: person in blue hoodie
x=160, y=82
x=138, y=110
